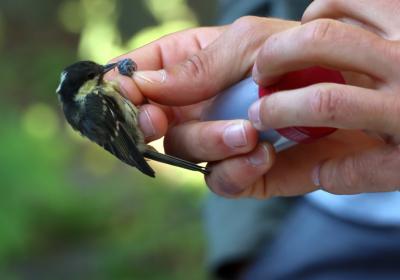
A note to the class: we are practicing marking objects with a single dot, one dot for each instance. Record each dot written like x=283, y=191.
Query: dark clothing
x=285, y=239
x=314, y=245
x=229, y=10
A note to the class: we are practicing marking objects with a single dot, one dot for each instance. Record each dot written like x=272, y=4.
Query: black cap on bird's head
x=76, y=75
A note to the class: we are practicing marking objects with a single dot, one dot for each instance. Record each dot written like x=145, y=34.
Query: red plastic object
x=299, y=79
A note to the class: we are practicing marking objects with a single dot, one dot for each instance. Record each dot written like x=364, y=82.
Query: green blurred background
x=69, y=210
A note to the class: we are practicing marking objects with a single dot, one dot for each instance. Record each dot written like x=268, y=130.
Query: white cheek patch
x=62, y=79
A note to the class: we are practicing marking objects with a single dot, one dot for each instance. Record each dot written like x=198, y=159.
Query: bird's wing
x=104, y=124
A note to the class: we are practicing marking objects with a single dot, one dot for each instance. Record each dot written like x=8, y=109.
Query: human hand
x=196, y=65
x=363, y=39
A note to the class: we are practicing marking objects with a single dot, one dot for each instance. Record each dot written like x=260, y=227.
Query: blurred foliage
x=69, y=210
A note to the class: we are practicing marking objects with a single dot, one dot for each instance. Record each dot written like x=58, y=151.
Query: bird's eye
x=91, y=75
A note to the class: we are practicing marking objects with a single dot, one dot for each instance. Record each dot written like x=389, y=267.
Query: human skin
x=183, y=72
x=348, y=35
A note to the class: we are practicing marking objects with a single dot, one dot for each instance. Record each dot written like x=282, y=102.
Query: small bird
x=95, y=108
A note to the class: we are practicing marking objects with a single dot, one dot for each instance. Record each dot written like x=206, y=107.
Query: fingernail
x=152, y=77
x=260, y=156
x=315, y=175
x=254, y=73
x=146, y=124
x=254, y=115
x=235, y=136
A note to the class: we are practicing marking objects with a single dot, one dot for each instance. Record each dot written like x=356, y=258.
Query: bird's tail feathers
x=154, y=155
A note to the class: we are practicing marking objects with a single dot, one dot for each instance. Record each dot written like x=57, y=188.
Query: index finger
x=372, y=15
x=225, y=61
x=327, y=43
x=172, y=48
x=168, y=50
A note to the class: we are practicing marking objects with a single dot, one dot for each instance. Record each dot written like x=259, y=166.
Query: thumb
x=199, y=77
x=375, y=170
x=223, y=62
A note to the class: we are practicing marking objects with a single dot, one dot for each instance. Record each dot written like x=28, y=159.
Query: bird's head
x=81, y=77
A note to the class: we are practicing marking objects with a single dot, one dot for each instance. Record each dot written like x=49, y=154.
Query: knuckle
x=209, y=142
x=259, y=29
x=324, y=103
x=269, y=110
x=196, y=66
x=245, y=23
x=248, y=26
x=258, y=190
x=203, y=142
x=318, y=31
x=342, y=179
x=269, y=48
x=349, y=174
x=330, y=5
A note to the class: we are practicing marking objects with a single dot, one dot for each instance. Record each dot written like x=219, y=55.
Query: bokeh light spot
x=180, y=176
x=100, y=39
x=175, y=10
x=40, y=121
x=150, y=34
x=71, y=16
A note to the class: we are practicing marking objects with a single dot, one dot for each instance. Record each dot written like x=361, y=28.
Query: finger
x=331, y=105
x=210, y=141
x=127, y=88
x=372, y=15
x=172, y=115
x=375, y=170
x=161, y=53
x=153, y=122
x=290, y=174
x=243, y=175
x=326, y=43
x=164, y=51
x=189, y=112
x=208, y=71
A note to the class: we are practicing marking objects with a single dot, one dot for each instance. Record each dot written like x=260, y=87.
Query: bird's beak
x=109, y=67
